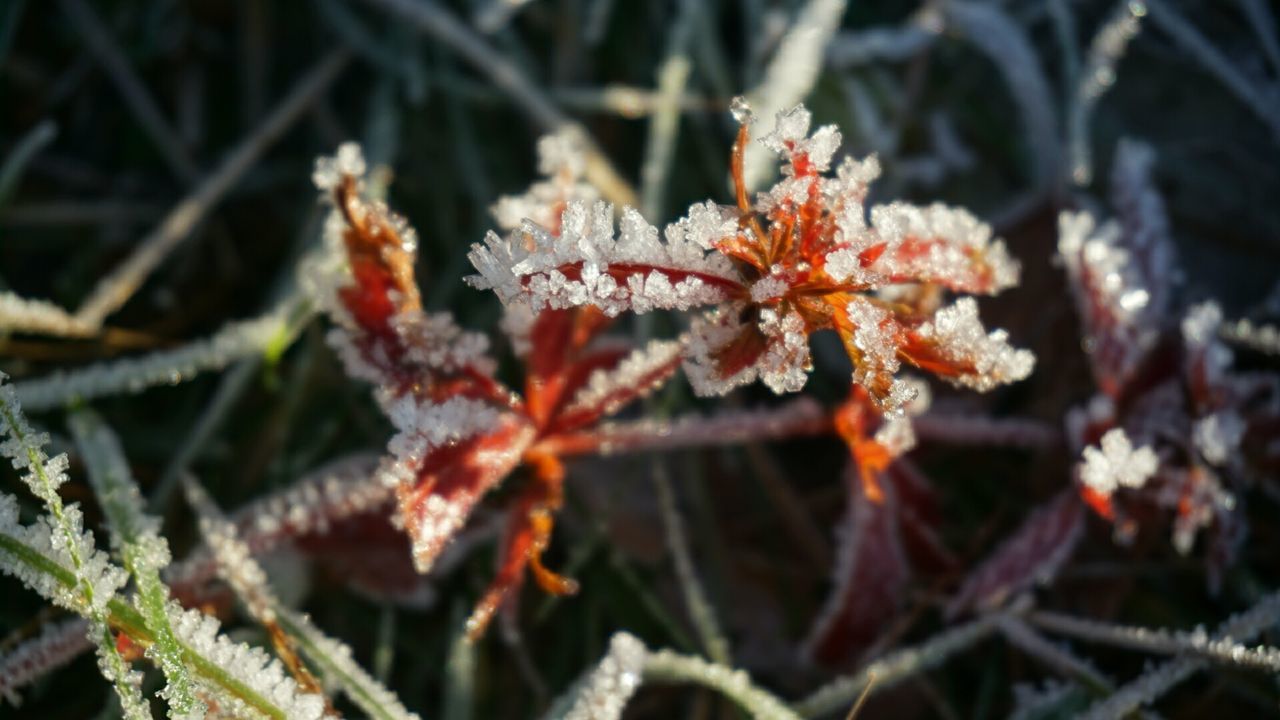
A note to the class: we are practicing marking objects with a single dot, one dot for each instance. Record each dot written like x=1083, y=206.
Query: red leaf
x=451, y=480
x=368, y=554
x=919, y=518
x=1031, y=555
x=870, y=576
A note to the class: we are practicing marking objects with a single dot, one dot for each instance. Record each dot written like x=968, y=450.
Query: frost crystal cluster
x=799, y=258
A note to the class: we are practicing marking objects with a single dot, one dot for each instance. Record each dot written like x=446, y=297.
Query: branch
x=895, y=667
x=799, y=418
x=1160, y=641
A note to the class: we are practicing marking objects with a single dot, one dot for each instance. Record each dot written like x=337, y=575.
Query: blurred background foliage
x=86, y=176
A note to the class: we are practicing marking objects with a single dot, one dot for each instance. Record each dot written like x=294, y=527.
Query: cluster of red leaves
x=789, y=235
x=566, y=350
x=1164, y=376
x=890, y=529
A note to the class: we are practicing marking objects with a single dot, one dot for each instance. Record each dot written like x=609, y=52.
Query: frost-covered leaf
x=585, y=264
x=436, y=492
x=870, y=576
x=1031, y=555
x=1121, y=272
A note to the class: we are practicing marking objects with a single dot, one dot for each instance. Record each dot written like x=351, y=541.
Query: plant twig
x=700, y=610
x=895, y=667
x=1160, y=641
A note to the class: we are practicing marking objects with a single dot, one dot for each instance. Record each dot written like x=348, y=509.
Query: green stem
x=124, y=618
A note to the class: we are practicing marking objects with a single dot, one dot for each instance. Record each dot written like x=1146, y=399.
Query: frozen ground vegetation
x=952, y=389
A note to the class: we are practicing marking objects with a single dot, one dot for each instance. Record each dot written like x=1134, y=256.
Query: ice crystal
x=585, y=264
x=135, y=536
x=1118, y=464
x=1218, y=436
x=562, y=159
x=987, y=357
x=59, y=536
x=424, y=426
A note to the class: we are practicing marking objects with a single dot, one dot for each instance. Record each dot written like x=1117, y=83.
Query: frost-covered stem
x=57, y=645
x=342, y=489
x=665, y=666
x=603, y=693
x=116, y=288
x=447, y=30
x=319, y=500
x=291, y=631
x=1020, y=635
x=700, y=611
x=1098, y=76
x=144, y=553
x=895, y=667
x=125, y=619
x=800, y=418
x=19, y=314
x=334, y=661
x=43, y=477
x=247, y=579
x=1154, y=683
x=459, y=674
x=955, y=429
x=1259, y=338
x=1160, y=641
x=234, y=341
x=878, y=44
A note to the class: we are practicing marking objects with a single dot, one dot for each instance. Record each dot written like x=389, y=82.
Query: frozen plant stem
x=136, y=539
x=290, y=632
x=1025, y=638
x=1157, y=681
x=1099, y=75
x=700, y=611
x=790, y=76
x=1160, y=641
x=94, y=580
x=895, y=667
x=234, y=341
x=664, y=125
x=665, y=666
